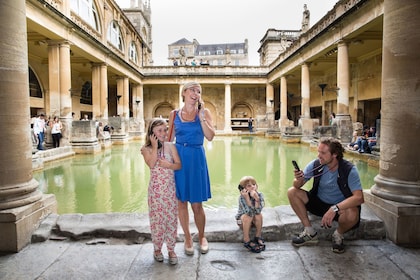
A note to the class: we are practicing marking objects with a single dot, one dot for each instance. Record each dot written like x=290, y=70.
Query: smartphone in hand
x=295, y=165
x=158, y=141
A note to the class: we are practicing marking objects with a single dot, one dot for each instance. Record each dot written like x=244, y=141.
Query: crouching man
x=336, y=194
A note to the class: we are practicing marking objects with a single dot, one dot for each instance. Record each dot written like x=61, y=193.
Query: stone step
x=280, y=223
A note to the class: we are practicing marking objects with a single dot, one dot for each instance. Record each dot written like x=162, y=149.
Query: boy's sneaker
x=305, y=239
x=337, y=243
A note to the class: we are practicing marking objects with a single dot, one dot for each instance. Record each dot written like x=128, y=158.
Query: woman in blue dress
x=189, y=125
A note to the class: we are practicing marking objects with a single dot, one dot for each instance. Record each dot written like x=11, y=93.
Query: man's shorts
x=318, y=207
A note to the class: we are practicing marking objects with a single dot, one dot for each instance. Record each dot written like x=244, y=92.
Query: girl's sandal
x=251, y=246
x=260, y=242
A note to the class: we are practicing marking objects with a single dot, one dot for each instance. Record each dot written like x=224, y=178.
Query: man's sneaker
x=337, y=243
x=305, y=239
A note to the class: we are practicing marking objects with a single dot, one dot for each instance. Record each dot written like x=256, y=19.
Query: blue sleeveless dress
x=192, y=180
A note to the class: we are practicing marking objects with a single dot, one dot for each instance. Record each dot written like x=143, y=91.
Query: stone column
x=104, y=91
x=22, y=205
x=228, y=108
x=305, y=85
x=119, y=96
x=305, y=121
x=395, y=197
x=137, y=127
x=99, y=91
x=126, y=99
x=65, y=93
x=181, y=102
x=53, y=96
x=96, y=92
x=343, y=119
x=270, y=104
x=284, y=120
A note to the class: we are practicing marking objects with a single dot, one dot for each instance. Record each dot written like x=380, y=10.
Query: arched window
x=114, y=35
x=34, y=87
x=133, y=53
x=86, y=93
x=87, y=11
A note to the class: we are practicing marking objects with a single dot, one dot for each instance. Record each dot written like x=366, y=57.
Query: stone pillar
x=181, y=102
x=119, y=97
x=96, y=92
x=305, y=85
x=395, y=197
x=343, y=119
x=284, y=120
x=137, y=122
x=99, y=91
x=270, y=104
x=126, y=99
x=53, y=95
x=305, y=121
x=104, y=91
x=22, y=205
x=65, y=93
x=228, y=108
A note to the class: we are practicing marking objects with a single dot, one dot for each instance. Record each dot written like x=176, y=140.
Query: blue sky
x=225, y=21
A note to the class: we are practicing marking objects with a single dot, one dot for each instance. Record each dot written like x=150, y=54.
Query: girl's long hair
x=153, y=123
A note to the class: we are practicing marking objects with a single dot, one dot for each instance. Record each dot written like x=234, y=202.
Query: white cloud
x=225, y=21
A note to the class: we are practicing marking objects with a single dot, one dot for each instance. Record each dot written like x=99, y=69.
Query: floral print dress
x=163, y=204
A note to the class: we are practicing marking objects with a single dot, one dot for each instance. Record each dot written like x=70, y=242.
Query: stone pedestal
x=401, y=219
x=308, y=126
x=17, y=224
x=344, y=128
x=119, y=135
x=84, y=140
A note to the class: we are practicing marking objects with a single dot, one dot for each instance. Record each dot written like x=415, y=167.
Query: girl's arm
x=150, y=155
x=176, y=164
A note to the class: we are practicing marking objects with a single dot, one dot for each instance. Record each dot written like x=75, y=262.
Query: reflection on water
x=116, y=180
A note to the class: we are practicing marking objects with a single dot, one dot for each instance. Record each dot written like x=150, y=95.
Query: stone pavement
x=117, y=246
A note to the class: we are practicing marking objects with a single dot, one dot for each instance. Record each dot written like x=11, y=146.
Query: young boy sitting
x=251, y=203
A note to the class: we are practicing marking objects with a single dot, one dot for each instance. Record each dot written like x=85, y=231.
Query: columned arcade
x=365, y=66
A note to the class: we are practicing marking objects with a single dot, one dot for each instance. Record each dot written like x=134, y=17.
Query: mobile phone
x=199, y=105
x=159, y=143
x=240, y=188
x=295, y=165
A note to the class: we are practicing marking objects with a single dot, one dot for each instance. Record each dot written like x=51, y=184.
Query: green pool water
x=116, y=180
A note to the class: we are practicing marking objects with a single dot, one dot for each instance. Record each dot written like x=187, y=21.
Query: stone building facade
x=184, y=52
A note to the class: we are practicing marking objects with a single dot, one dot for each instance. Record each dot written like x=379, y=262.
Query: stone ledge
x=280, y=223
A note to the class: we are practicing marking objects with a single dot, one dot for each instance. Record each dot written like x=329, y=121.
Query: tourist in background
x=162, y=159
x=251, y=203
x=189, y=125
x=39, y=130
x=332, y=117
x=56, y=128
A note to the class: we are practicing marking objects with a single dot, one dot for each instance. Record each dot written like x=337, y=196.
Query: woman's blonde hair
x=189, y=85
x=246, y=180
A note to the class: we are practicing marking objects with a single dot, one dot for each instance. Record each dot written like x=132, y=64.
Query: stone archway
x=162, y=110
x=242, y=110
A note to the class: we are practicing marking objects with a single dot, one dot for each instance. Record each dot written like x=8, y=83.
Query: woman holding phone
x=188, y=126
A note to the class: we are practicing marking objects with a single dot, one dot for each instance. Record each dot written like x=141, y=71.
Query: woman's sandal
x=253, y=247
x=260, y=242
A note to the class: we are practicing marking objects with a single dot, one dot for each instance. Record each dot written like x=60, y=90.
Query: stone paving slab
x=112, y=259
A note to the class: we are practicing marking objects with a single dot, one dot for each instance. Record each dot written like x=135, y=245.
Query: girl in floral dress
x=162, y=158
